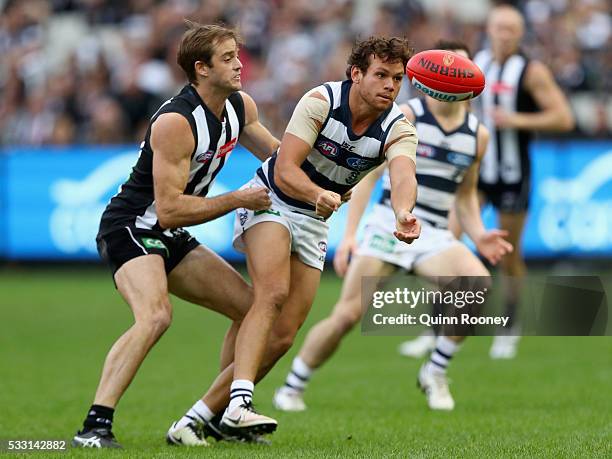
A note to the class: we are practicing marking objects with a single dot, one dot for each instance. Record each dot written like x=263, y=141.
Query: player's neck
x=213, y=98
x=501, y=57
x=362, y=113
x=448, y=114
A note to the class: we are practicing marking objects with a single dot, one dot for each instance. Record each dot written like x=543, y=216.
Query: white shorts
x=308, y=235
x=379, y=241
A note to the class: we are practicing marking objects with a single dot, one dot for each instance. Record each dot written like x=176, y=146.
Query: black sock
x=99, y=416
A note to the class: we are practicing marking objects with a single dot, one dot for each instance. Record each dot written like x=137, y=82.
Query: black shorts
x=123, y=244
x=507, y=198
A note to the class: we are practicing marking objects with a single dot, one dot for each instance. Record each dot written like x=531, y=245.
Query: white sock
x=241, y=392
x=298, y=376
x=198, y=412
x=442, y=354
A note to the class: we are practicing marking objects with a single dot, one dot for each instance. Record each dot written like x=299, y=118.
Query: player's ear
x=201, y=68
x=356, y=74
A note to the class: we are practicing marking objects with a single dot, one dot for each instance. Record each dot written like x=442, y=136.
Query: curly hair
x=386, y=49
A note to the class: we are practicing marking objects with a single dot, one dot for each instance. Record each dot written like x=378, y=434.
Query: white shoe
x=288, y=400
x=244, y=421
x=189, y=435
x=419, y=347
x=504, y=347
x=435, y=387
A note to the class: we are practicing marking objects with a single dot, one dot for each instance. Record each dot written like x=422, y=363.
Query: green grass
x=554, y=400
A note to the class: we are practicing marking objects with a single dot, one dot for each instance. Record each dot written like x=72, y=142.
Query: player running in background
x=188, y=141
x=520, y=98
x=338, y=133
x=451, y=145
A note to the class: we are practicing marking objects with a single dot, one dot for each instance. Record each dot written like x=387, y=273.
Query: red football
x=445, y=75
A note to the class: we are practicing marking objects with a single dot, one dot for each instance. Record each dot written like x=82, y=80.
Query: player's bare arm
x=491, y=244
x=359, y=201
x=555, y=114
x=255, y=136
x=402, y=173
x=173, y=144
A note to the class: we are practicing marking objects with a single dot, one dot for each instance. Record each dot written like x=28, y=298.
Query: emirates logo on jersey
x=228, y=147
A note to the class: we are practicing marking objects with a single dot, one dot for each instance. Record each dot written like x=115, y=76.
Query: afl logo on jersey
x=360, y=164
x=203, y=157
x=327, y=148
x=425, y=150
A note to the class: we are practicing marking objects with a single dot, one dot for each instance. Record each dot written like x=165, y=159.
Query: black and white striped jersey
x=442, y=161
x=134, y=204
x=507, y=157
x=339, y=158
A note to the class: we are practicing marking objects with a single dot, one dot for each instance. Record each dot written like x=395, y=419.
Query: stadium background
x=79, y=80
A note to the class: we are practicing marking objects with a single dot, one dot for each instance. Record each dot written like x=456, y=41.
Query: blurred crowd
x=94, y=71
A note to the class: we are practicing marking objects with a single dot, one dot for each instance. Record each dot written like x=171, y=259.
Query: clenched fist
x=327, y=203
x=254, y=198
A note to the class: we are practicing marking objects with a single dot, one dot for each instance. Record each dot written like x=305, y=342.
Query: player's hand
x=254, y=198
x=503, y=119
x=493, y=246
x=408, y=227
x=327, y=203
x=343, y=255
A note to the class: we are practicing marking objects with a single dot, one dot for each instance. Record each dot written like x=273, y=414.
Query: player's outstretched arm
x=402, y=174
x=172, y=143
x=255, y=136
x=491, y=244
x=555, y=114
x=359, y=201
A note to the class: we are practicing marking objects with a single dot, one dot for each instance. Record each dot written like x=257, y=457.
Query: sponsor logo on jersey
x=440, y=95
x=501, y=87
x=459, y=159
x=323, y=246
x=151, y=243
x=228, y=147
x=425, y=150
x=347, y=146
x=327, y=148
x=360, y=164
x=204, y=157
x=446, y=69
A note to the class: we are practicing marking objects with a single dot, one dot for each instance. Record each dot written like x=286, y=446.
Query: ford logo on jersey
x=360, y=164
x=327, y=148
x=460, y=159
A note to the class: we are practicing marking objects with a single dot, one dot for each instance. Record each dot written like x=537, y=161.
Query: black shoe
x=100, y=437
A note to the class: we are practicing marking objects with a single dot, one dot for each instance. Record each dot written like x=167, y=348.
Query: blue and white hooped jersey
x=339, y=158
x=442, y=161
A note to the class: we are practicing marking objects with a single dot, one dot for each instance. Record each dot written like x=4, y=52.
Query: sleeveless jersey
x=507, y=157
x=339, y=158
x=442, y=161
x=214, y=141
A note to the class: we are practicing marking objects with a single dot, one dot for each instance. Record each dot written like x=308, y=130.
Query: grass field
x=554, y=400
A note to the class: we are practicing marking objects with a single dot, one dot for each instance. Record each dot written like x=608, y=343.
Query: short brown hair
x=452, y=45
x=386, y=49
x=198, y=44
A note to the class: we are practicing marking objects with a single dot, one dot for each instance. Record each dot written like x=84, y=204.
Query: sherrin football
x=445, y=75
